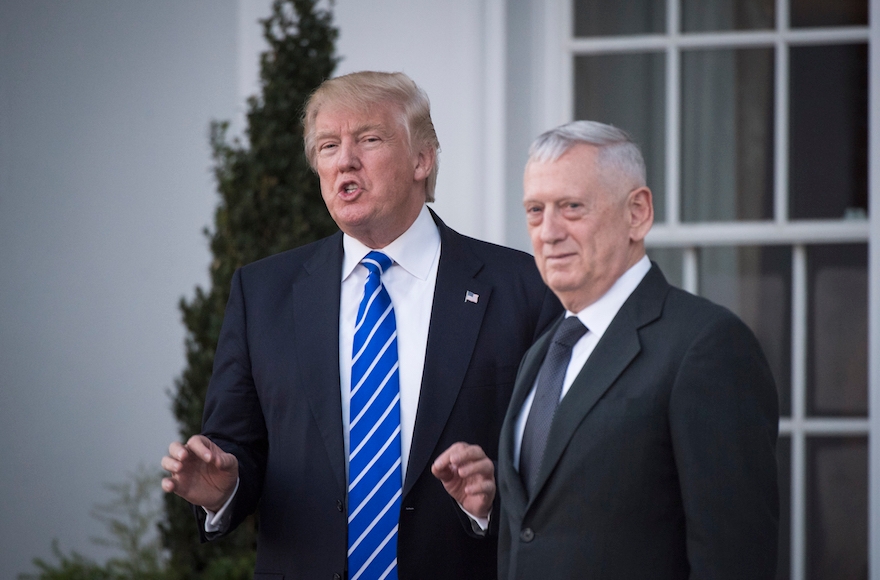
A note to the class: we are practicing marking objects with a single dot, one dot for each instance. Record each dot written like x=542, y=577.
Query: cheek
x=326, y=193
x=535, y=237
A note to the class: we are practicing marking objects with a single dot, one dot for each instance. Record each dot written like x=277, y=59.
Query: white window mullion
x=673, y=116
x=781, y=149
x=494, y=115
x=690, y=274
x=556, y=92
x=565, y=26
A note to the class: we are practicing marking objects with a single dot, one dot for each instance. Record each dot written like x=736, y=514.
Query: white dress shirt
x=597, y=318
x=410, y=284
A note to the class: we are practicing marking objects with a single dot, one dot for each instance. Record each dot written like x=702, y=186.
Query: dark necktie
x=550, y=379
x=374, y=469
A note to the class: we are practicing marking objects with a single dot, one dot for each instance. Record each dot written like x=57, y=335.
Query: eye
x=326, y=147
x=573, y=209
x=533, y=213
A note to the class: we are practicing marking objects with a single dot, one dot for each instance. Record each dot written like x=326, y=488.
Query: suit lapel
x=615, y=351
x=316, y=295
x=452, y=334
x=516, y=499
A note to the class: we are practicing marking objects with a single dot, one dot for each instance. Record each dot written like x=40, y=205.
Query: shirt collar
x=415, y=250
x=597, y=316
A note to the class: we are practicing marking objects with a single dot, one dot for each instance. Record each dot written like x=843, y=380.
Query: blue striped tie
x=374, y=469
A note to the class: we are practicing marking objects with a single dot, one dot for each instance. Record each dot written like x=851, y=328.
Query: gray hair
x=365, y=89
x=617, y=151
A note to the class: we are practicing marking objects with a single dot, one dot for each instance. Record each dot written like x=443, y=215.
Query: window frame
x=555, y=105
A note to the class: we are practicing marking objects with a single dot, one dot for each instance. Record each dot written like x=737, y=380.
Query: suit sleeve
x=233, y=418
x=724, y=422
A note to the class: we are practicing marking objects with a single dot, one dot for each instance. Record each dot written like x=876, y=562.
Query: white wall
x=104, y=189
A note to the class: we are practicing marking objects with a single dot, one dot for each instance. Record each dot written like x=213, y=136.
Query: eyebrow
x=366, y=128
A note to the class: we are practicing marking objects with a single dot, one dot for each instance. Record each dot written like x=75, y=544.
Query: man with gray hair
x=346, y=367
x=640, y=438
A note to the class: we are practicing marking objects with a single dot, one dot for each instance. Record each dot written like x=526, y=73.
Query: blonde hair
x=365, y=89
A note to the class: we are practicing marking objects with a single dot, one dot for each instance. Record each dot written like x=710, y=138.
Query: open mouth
x=349, y=189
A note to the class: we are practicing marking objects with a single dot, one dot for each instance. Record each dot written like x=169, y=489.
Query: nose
x=552, y=227
x=348, y=159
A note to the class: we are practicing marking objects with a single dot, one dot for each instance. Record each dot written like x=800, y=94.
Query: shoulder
x=288, y=265
x=497, y=259
x=698, y=325
x=697, y=310
x=500, y=257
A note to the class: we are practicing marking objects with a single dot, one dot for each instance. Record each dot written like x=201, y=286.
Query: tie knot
x=570, y=331
x=377, y=262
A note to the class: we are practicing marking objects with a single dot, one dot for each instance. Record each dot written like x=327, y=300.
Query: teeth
x=350, y=188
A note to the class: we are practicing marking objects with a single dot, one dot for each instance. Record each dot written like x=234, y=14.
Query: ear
x=424, y=163
x=640, y=211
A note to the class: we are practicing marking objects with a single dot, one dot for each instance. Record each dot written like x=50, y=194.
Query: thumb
x=203, y=448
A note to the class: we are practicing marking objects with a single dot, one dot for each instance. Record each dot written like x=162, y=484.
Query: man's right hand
x=201, y=473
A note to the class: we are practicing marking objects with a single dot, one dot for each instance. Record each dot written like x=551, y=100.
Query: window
x=753, y=119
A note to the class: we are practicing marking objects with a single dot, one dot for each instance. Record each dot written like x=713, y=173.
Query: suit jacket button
x=337, y=577
x=527, y=535
x=339, y=504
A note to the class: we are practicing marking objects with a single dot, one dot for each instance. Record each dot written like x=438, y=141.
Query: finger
x=481, y=468
x=171, y=464
x=442, y=470
x=225, y=461
x=177, y=451
x=444, y=458
x=480, y=487
x=443, y=464
x=468, y=454
x=462, y=454
x=168, y=485
x=201, y=446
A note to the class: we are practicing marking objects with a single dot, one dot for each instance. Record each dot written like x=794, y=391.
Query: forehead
x=573, y=173
x=339, y=118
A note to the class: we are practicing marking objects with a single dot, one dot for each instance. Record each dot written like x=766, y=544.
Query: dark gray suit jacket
x=274, y=402
x=661, y=458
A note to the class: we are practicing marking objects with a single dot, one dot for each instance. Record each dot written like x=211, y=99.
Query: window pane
x=627, y=91
x=837, y=355
x=702, y=16
x=727, y=135
x=828, y=165
x=610, y=17
x=783, y=462
x=755, y=283
x=669, y=260
x=837, y=508
x=826, y=13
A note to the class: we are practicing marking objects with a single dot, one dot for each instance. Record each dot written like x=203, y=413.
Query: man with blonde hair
x=347, y=367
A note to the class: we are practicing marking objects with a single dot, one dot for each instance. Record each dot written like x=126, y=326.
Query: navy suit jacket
x=274, y=402
x=660, y=462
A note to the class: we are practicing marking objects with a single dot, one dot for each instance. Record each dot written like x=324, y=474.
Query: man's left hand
x=468, y=476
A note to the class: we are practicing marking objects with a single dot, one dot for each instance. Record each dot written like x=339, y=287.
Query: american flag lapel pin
x=471, y=297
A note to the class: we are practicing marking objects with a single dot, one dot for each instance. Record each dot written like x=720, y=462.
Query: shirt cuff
x=478, y=525
x=219, y=521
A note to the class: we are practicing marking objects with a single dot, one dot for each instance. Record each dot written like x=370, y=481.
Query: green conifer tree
x=269, y=202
